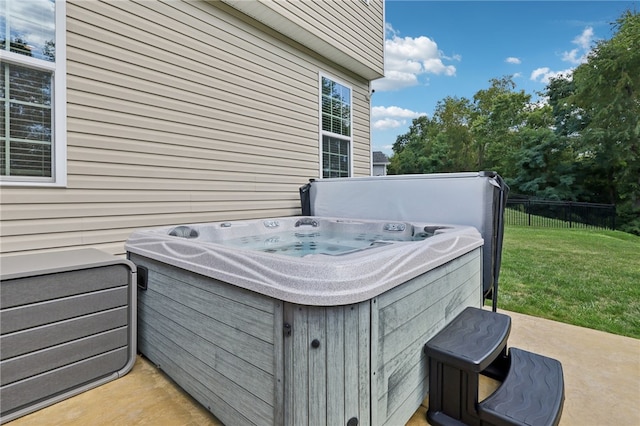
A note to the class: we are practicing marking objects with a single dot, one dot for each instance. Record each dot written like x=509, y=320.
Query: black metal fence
x=559, y=214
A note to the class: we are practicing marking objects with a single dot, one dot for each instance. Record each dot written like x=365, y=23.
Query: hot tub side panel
x=327, y=364
x=403, y=320
x=220, y=343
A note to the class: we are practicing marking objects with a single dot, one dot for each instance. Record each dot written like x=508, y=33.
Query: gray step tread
x=532, y=394
x=472, y=341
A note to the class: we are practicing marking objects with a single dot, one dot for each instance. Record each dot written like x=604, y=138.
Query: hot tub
x=300, y=320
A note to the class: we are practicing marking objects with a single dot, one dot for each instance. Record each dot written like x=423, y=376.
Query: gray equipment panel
x=68, y=324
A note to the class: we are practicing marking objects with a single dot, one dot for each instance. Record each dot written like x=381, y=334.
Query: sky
x=435, y=49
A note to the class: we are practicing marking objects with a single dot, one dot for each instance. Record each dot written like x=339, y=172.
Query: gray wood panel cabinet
x=67, y=324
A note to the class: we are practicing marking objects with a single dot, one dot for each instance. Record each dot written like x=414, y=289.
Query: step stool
x=474, y=343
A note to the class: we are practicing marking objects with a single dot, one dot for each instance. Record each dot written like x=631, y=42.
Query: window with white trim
x=336, y=136
x=32, y=92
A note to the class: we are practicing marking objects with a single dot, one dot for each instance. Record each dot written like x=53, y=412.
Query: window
x=32, y=93
x=336, y=139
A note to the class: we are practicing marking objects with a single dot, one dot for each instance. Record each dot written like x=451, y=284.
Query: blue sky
x=435, y=49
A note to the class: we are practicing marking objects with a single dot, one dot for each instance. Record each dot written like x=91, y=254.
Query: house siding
x=349, y=31
x=178, y=112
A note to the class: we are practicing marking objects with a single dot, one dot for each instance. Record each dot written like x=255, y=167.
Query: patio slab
x=601, y=373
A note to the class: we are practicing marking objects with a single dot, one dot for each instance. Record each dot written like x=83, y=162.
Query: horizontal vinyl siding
x=177, y=113
x=354, y=25
x=351, y=31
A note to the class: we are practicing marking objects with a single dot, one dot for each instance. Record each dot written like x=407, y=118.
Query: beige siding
x=178, y=112
x=350, y=32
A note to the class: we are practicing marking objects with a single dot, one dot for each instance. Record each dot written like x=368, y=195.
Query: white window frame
x=322, y=132
x=59, y=92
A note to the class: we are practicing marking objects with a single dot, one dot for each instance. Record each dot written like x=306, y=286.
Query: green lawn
x=582, y=277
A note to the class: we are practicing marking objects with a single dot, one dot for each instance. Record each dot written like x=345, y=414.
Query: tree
x=498, y=112
x=606, y=93
x=454, y=141
x=544, y=165
x=583, y=145
x=409, y=149
x=439, y=144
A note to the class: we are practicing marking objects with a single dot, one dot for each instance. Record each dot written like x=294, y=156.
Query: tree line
x=580, y=143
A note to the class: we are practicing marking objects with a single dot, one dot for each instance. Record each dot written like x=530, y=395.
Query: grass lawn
x=582, y=277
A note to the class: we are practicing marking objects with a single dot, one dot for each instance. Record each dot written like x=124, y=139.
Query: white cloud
x=513, y=60
x=571, y=56
x=540, y=72
x=584, y=41
x=388, y=123
x=545, y=74
x=575, y=56
x=392, y=117
x=38, y=31
x=406, y=58
x=395, y=80
x=394, y=111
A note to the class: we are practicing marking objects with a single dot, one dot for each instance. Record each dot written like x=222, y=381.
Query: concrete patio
x=601, y=373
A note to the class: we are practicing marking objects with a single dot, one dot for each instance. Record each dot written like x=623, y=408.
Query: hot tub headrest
x=183, y=231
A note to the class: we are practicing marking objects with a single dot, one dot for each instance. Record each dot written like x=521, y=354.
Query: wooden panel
x=279, y=367
x=336, y=347
x=26, y=392
x=327, y=384
x=162, y=352
x=22, y=317
x=297, y=383
x=241, y=385
x=232, y=312
x=319, y=374
x=364, y=363
x=215, y=340
x=229, y=338
x=50, y=358
x=65, y=326
x=407, y=317
x=218, y=288
x=33, y=339
x=27, y=290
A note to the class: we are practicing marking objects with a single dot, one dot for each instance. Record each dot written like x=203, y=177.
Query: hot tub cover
x=475, y=199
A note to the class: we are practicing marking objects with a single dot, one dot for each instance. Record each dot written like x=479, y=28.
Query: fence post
x=613, y=218
x=569, y=214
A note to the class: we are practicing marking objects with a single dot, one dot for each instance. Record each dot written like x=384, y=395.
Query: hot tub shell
x=261, y=338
